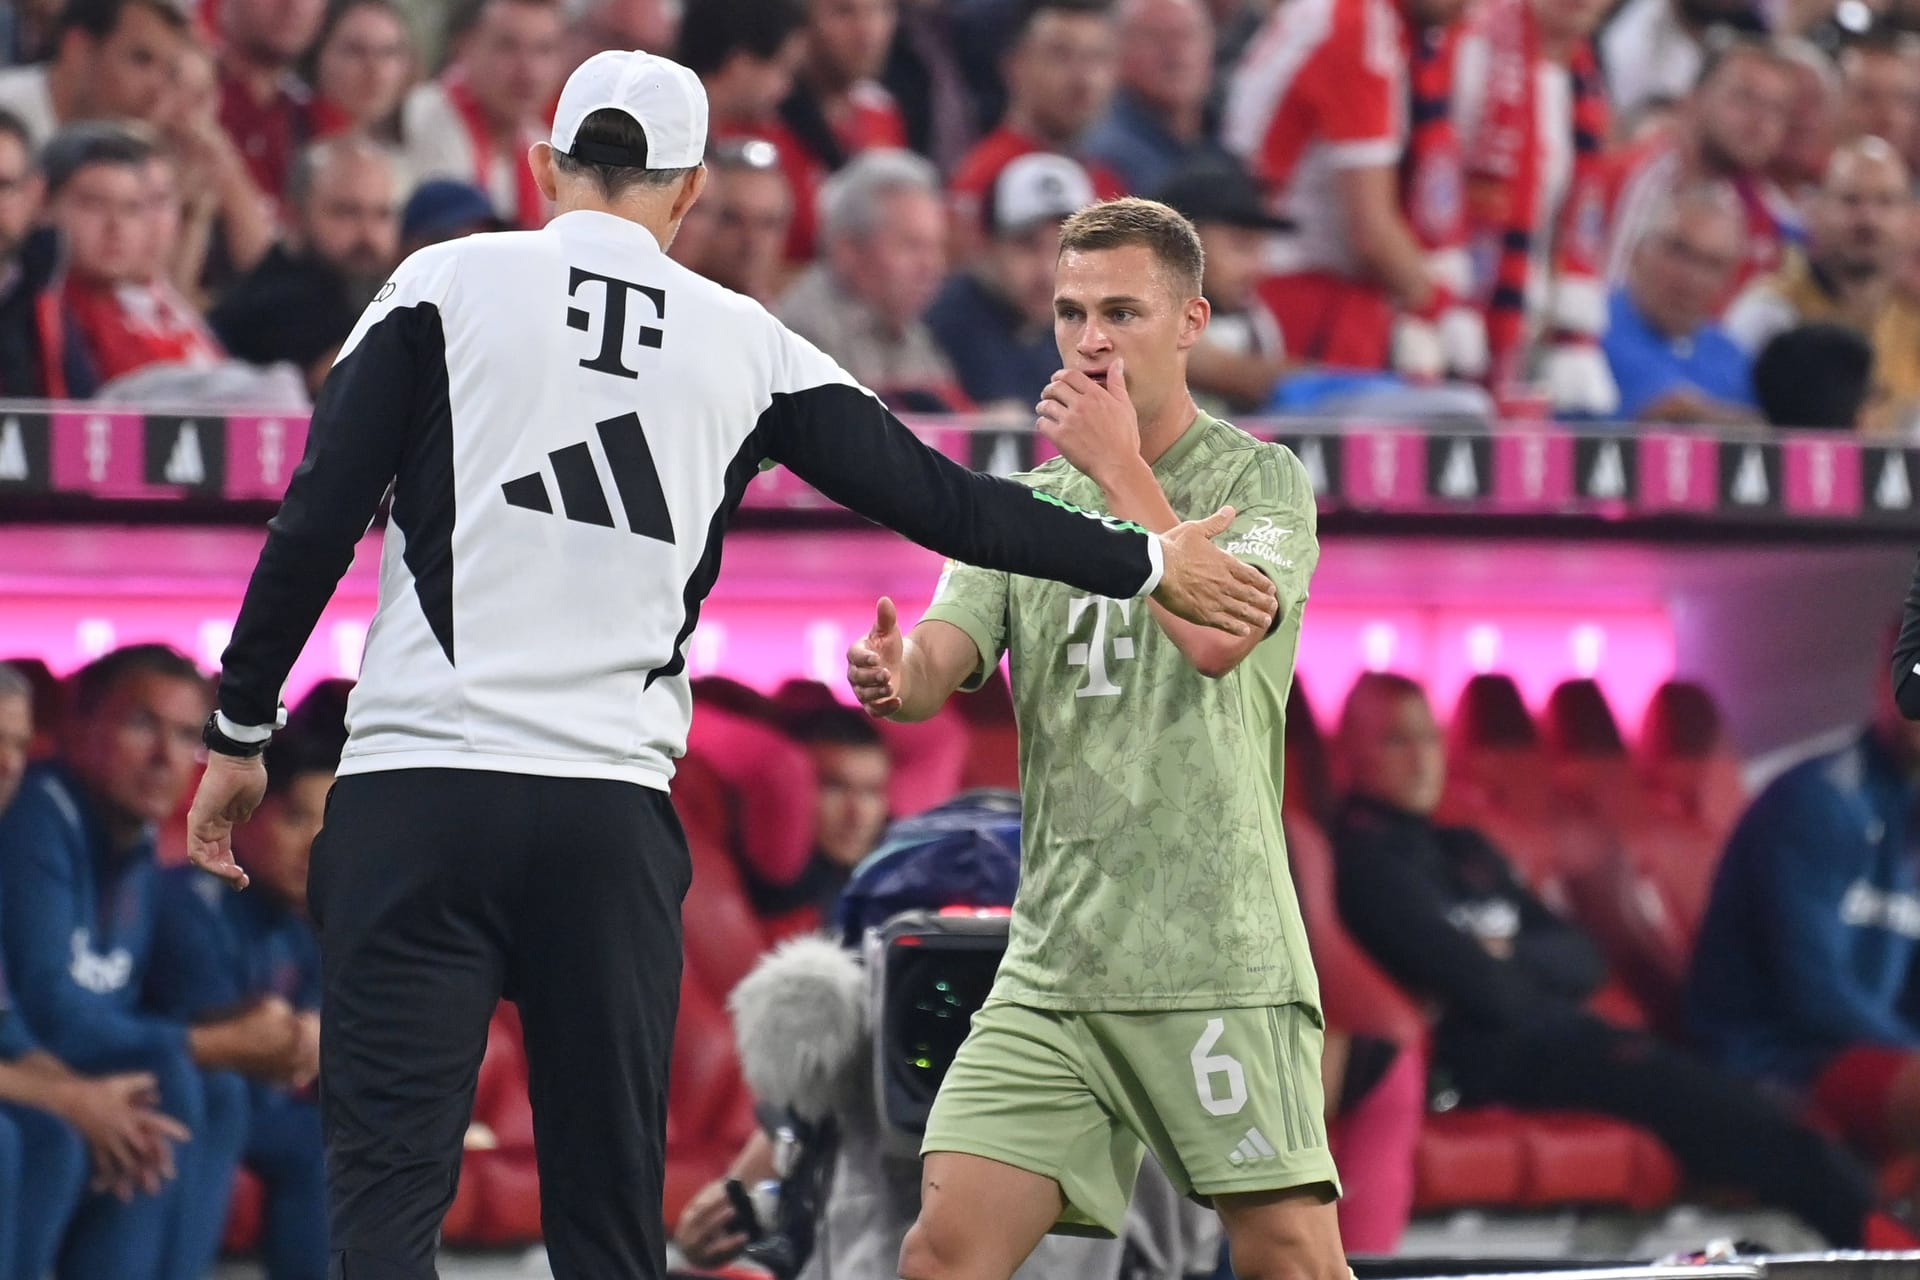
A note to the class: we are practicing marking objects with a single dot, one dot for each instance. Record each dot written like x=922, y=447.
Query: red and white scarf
x=529, y=206
x=1503, y=160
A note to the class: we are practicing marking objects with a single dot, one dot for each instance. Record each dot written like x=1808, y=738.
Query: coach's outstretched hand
x=230, y=790
x=1204, y=584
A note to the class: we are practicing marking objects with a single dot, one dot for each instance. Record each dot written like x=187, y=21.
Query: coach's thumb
x=1217, y=523
x=885, y=618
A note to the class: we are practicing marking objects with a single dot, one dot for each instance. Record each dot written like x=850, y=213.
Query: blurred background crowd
x=1662, y=210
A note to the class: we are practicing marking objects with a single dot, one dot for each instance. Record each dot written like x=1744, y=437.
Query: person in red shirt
x=476, y=122
x=1355, y=151
x=263, y=105
x=1728, y=135
x=102, y=198
x=1061, y=72
x=838, y=108
x=361, y=68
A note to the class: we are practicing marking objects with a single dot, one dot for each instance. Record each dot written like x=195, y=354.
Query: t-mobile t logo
x=1094, y=656
x=613, y=319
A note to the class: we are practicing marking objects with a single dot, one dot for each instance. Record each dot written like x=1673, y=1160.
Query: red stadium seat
x=993, y=742
x=245, y=1207
x=1354, y=994
x=929, y=761
x=1687, y=766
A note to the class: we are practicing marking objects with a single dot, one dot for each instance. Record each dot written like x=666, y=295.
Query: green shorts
x=1228, y=1100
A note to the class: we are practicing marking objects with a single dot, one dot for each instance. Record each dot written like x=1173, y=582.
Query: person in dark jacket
x=1443, y=913
x=42, y=355
x=1801, y=977
x=229, y=949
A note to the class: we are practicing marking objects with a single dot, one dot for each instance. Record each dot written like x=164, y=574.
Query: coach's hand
x=1204, y=584
x=875, y=662
x=1091, y=422
x=230, y=790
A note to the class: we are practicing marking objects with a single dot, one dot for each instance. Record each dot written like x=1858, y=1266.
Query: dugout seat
x=993, y=741
x=1498, y=780
x=1687, y=766
x=929, y=761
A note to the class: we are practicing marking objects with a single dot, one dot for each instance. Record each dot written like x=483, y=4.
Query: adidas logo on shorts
x=1252, y=1147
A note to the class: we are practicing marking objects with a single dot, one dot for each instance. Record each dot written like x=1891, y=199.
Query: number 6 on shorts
x=1207, y=1065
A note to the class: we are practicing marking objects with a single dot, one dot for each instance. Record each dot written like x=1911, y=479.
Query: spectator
x=1803, y=973
x=113, y=59
x=1654, y=49
x=1060, y=77
x=27, y=31
x=1317, y=111
x=1816, y=375
x=1880, y=92
x=750, y=207
x=994, y=317
x=1158, y=120
x=1730, y=134
x=477, y=120
x=1242, y=354
x=49, y=1116
x=99, y=192
x=227, y=949
x=883, y=234
x=838, y=108
x=924, y=75
x=746, y=53
x=1814, y=124
x=362, y=64
x=1859, y=230
x=77, y=882
x=263, y=105
x=443, y=210
x=1531, y=113
x=1671, y=361
x=227, y=223
x=41, y=351
x=1442, y=912
x=851, y=764
x=595, y=26
x=301, y=302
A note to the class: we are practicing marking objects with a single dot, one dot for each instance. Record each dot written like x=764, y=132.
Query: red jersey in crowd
x=1323, y=87
x=269, y=132
x=128, y=327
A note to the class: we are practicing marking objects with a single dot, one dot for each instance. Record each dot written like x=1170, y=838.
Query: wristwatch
x=224, y=737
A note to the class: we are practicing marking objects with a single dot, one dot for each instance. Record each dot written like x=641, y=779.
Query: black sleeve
x=1397, y=912
x=1906, y=653
x=374, y=402
x=1555, y=954
x=843, y=442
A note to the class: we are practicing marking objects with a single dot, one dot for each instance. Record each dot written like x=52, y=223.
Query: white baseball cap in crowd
x=664, y=98
x=1035, y=188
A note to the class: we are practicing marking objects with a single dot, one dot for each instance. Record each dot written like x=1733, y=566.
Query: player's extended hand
x=1092, y=423
x=1204, y=584
x=230, y=790
x=874, y=662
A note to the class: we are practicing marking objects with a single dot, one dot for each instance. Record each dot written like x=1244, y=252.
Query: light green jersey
x=1154, y=873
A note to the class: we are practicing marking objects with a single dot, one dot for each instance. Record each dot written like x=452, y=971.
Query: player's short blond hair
x=1165, y=231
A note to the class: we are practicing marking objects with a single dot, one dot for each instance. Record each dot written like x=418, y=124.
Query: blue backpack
x=965, y=853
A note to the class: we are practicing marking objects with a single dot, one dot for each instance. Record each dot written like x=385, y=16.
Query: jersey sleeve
x=387, y=391
x=835, y=435
x=1276, y=525
x=975, y=601
x=1352, y=85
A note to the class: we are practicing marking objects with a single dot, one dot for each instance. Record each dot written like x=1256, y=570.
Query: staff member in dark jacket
x=1442, y=912
x=567, y=418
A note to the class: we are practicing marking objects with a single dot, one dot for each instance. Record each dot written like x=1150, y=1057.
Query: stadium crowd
x=1683, y=211
x=157, y=1033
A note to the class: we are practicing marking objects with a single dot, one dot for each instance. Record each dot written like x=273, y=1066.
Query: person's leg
x=409, y=885
x=979, y=1218
x=43, y=1175
x=1720, y=1128
x=284, y=1151
x=206, y=1167
x=1017, y=1144
x=1232, y=1105
x=596, y=974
